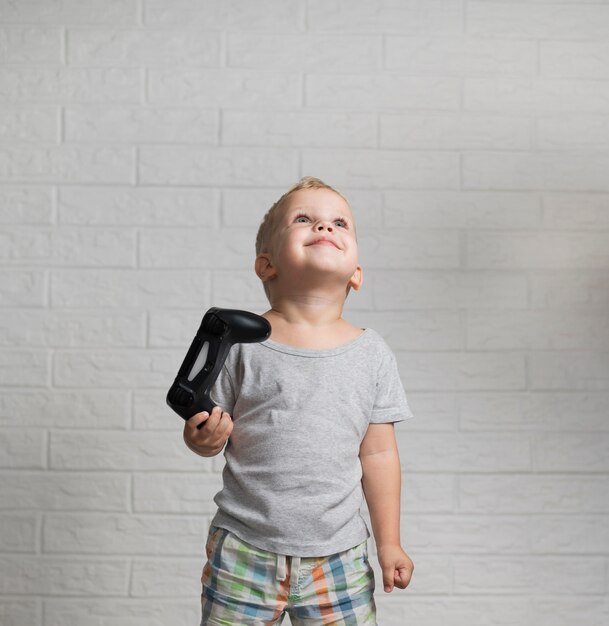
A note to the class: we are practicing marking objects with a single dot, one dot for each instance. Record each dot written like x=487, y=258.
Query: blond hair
x=269, y=221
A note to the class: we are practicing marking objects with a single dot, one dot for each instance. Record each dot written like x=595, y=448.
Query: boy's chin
x=318, y=281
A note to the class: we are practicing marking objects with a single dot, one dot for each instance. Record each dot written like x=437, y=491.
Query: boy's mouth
x=323, y=241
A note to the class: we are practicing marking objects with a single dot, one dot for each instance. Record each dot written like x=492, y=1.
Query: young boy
x=312, y=411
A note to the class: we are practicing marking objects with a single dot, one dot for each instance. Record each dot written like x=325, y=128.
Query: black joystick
x=219, y=330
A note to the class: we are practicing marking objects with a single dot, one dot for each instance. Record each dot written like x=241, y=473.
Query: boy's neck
x=309, y=322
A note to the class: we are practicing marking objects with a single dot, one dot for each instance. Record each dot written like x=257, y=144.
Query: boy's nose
x=327, y=226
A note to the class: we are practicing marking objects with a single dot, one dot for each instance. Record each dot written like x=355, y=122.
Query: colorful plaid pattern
x=242, y=585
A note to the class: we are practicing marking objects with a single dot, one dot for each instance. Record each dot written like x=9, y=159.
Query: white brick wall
x=141, y=141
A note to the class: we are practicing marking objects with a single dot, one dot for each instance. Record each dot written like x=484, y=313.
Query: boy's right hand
x=211, y=437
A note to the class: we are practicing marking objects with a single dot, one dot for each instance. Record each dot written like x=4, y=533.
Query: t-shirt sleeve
x=390, y=403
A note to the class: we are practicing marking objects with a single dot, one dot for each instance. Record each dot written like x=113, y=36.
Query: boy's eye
x=303, y=219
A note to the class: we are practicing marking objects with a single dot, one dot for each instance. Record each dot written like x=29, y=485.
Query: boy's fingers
x=402, y=577
x=388, y=573
x=196, y=419
x=226, y=425
x=214, y=419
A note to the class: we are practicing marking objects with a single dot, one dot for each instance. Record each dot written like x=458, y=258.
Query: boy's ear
x=264, y=267
x=355, y=282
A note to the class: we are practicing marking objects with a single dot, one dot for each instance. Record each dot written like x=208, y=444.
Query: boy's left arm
x=381, y=481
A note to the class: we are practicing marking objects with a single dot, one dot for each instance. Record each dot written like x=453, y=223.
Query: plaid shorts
x=243, y=584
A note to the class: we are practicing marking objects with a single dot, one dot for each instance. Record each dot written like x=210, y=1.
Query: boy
x=312, y=410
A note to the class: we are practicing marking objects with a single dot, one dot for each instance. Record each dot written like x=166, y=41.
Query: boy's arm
x=381, y=481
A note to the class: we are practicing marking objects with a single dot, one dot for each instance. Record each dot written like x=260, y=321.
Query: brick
x=435, y=411
x=307, y=51
x=539, y=96
x=586, y=610
x=482, y=611
x=23, y=448
x=245, y=207
x=29, y=124
x=465, y=535
x=464, y=452
x=460, y=56
x=55, y=408
x=569, y=370
x=385, y=16
x=415, y=330
x=30, y=45
x=149, y=47
x=26, y=368
x=114, y=450
x=70, y=85
x=427, y=493
x=18, y=531
x=184, y=165
x=124, y=369
x=299, y=129
x=394, y=249
x=534, y=493
x=141, y=125
x=57, y=246
x=455, y=131
x=528, y=575
x=381, y=92
x=118, y=12
x=128, y=534
x=573, y=133
x=239, y=289
x=537, y=330
x=63, y=491
x=167, y=578
x=19, y=611
x=22, y=288
x=174, y=329
x=592, y=212
x=384, y=168
x=574, y=59
x=125, y=288
x=224, y=14
x=46, y=575
x=573, y=534
x=210, y=88
x=571, y=452
x=150, y=410
x=67, y=164
x=422, y=290
x=539, y=411
x=175, y=493
x=153, y=206
x=570, y=289
x=136, y=612
x=460, y=209
x=544, y=171
x=523, y=20
x=67, y=329
x=26, y=205
x=463, y=371
x=197, y=248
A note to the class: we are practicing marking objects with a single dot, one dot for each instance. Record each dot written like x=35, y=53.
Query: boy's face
x=314, y=240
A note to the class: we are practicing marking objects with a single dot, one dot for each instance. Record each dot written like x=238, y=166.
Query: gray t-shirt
x=292, y=478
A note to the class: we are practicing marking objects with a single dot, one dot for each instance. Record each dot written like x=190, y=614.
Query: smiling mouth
x=323, y=242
